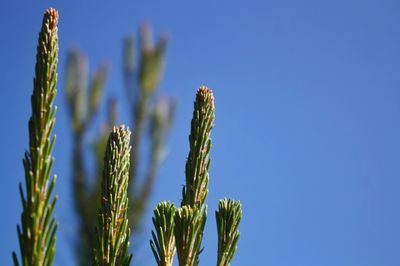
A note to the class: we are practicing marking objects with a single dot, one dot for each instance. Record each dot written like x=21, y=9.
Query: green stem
x=113, y=230
x=191, y=217
x=38, y=226
x=163, y=242
x=228, y=218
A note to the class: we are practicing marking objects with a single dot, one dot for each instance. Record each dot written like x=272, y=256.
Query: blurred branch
x=141, y=84
x=83, y=103
x=150, y=70
x=160, y=124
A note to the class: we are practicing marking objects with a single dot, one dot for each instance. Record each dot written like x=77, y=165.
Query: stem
x=228, y=218
x=38, y=226
x=191, y=217
x=113, y=230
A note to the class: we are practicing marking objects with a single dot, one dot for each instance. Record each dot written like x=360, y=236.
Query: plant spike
x=163, y=243
x=38, y=226
x=113, y=230
x=228, y=218
x=196, y=189
x=191, y=218
x=189, y=226
x=141, y=86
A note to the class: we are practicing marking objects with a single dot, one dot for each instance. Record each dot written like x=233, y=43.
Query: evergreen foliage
x=189, y=226
x=113, y=230
x=190, y=219
x=83, y=103
x=177, y=230
x=196, y=189
x=228, y=218
x=163, y=243
x=141, y=82
x=38, y=226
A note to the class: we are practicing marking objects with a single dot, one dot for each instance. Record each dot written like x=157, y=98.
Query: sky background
x=307, y=119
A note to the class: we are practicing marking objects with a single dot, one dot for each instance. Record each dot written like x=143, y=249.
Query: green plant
x=188, y=221
x=177, y=230
x=141, y=84
x=228, y=218
x=113, y=230
x=83, y=104
x=163, y=242
x=38, y=227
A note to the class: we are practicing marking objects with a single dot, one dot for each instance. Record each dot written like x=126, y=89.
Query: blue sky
x=307, y=119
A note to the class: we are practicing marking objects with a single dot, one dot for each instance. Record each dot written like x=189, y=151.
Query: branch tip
x=50, y=18
x=205, y=95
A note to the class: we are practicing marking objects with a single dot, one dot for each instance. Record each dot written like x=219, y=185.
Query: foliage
x=228, y=218
x=189, y=226
x=38, y=226
x=84, y=101
x=190, y=219
x=113, y=230
x=79, y=98
x=163, y=242
x=177, y=230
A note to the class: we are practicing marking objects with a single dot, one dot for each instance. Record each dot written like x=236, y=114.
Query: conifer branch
x=113, y=231
x=228, y=218
x=163, y=243
x=75, y=89
x=161, y=121
x=151, y=61
x=150, y=70
x=189, y=226
x=196, y=189
x=191, y=217
x=95, y=92
x=141, y=86
x=38, y=226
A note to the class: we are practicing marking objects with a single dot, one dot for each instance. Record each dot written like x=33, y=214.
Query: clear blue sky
x=307, y=131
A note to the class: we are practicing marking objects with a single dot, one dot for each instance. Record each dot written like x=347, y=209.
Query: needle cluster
x=177, y=230
x=38, y=227
x=113, y=230
x=228, y=217
x=163, y=242
x=189, y=220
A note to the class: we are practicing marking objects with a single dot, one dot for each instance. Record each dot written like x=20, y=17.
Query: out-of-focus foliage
x=151, y=118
